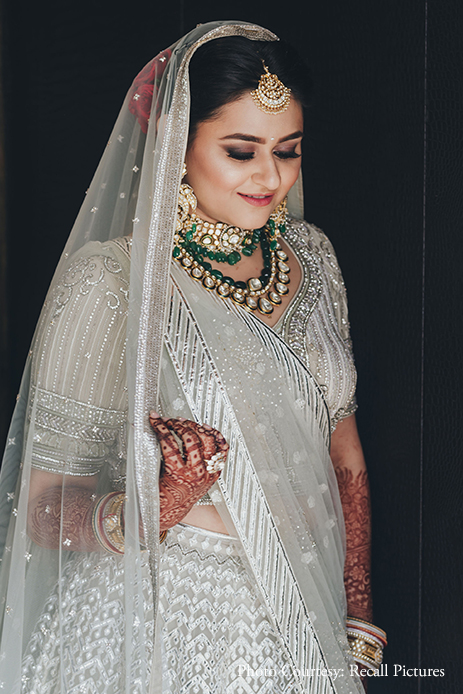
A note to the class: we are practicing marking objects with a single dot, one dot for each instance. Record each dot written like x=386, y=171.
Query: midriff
x=207, y=518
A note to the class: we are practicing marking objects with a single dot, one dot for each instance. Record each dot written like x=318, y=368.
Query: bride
x=184, y=448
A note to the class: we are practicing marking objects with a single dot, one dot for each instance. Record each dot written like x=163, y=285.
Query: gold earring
x=279, y=216
x=186, y=200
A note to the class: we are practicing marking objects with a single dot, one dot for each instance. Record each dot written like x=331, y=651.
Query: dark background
x=383, y=177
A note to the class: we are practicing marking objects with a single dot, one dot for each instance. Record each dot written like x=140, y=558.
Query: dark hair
x=222, y=69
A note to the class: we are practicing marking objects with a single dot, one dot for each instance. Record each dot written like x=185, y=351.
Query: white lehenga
x=217, y=634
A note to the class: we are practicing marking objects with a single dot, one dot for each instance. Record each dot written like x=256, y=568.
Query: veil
x=285, y=512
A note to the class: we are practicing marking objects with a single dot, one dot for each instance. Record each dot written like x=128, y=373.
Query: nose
x=266, y=173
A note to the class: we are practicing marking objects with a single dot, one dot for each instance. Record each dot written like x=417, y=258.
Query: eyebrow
x=260, y=140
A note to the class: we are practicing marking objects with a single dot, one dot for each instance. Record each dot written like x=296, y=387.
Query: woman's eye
x=243, y=155
x=239, y=154
x=292, y=154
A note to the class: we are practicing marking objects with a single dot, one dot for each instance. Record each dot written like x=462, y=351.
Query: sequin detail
x=215, y=630
x=316, y=325
x=90, y=634
x=80, y=412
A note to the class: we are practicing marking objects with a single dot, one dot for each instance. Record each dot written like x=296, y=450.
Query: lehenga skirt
x=216, y=634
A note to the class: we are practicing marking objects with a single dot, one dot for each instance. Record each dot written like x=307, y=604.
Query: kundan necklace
x=197, y=240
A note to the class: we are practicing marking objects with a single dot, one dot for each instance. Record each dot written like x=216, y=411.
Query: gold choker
x=260, y=294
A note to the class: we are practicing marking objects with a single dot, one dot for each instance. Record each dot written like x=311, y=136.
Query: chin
x=250, y=221
x=244, y=219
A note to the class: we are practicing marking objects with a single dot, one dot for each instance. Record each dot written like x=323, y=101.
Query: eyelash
x=247, y=156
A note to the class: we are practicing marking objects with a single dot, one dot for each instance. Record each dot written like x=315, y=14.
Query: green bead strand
x=233, y=258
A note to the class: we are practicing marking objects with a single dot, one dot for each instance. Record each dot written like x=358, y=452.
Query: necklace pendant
x=234, y=239
x=206, y=240
x=209, y=283
x=274, y=298
x=281, y=288
x=197, y=273
x=251, y=303
x=265, y=306
x=239, y=296
x=223, y=290
x=254, y=284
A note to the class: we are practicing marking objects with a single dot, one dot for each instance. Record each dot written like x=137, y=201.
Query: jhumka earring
x=186, y=199
x=271, y=95
x=279, y=216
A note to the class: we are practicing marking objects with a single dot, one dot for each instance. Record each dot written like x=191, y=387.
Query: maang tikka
x=271, y=95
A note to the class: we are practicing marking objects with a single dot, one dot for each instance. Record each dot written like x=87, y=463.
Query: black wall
x=383, y=175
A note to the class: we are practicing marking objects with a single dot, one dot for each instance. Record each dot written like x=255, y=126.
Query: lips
x=257, y=200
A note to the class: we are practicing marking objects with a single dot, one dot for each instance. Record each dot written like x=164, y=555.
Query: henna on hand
x=184, y=478
x=355, y=498
x=71, y=509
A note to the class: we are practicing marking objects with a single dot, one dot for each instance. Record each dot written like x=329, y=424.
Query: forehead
x=243, y=116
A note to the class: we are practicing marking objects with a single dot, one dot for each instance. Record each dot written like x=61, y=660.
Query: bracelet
x=107, y=522
x=205, y=500
x=366, y=641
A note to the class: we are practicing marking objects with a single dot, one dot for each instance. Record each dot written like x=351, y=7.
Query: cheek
x=290, y=177
x=228, y=176
x=213, y=172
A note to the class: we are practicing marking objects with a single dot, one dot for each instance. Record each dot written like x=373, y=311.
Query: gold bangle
x=107, y=522
x=366, y=641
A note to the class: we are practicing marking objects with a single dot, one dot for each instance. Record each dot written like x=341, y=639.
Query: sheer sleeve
x=78, y=366
x=336, y=306
x=317, y=324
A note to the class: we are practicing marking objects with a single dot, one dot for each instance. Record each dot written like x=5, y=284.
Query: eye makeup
x=243, y=155
x=239, y=155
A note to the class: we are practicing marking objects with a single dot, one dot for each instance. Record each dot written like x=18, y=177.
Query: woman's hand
x=187, y=474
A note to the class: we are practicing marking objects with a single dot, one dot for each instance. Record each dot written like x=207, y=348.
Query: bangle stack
x=108, y=522
x=366, y=642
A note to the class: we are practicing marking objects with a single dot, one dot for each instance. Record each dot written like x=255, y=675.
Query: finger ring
x=216, y=463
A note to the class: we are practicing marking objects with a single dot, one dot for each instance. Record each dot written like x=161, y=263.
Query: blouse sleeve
x=79, y=392
x=334, y=323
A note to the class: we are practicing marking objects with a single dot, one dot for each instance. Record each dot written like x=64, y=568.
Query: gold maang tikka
x=271, y=95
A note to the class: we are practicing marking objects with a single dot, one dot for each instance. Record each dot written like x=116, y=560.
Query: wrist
x=107, y=522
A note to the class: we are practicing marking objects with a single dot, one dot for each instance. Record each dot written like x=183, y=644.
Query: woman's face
x=242, y=163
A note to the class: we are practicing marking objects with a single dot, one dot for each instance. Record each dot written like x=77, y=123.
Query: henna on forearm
x=355, y=498
x=63, y=517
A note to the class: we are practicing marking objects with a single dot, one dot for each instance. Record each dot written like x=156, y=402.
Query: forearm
x=355, y=498
x=349, y=464
x=58, y=518
x=80, y=521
